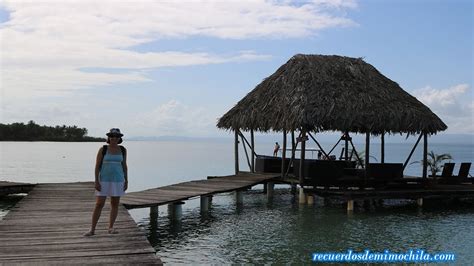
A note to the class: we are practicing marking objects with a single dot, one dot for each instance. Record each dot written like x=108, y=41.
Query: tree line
x=34, y=132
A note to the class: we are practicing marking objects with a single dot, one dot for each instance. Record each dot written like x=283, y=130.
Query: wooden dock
x=440, y=191
x=7, y=188
x=186, y=190
x=47, y=227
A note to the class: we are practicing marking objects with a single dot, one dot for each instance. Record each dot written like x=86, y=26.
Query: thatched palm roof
x=335, y=93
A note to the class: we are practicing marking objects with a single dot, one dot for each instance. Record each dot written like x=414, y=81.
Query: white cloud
x=442, y=97
x=174, y=119
x=45, y=44
x=453, y=105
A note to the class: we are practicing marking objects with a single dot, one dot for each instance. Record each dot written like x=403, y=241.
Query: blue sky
x=157, y=68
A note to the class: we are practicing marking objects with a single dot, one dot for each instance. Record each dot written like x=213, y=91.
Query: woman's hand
x=125, y=186
x=97, y=186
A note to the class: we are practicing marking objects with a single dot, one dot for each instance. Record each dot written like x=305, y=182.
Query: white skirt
x=110, y=189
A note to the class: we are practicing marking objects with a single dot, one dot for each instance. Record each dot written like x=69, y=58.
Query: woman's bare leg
x=99, y=204
x=114, y=204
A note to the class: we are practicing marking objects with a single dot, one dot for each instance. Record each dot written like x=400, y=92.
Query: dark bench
x=386, y=174
x=322, y=172
x=390, y=175
x=269, y=164
x=462, y=177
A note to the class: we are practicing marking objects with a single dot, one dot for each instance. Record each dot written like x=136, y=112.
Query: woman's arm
x=125, y=169
x=98, y=162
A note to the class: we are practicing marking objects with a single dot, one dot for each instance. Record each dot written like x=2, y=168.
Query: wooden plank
x=137, y=259
x=188, y=187
x=142, y=198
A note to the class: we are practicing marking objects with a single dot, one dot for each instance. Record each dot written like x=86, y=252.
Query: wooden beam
x=293, y=144
x=357, y=155
x=317, y=143
x=329, y=153
x=382, y=148
x=293, y=151
x=303, y=150
x=425, y=155
x=252, y=147
x=346, y=146
x=412, y=151
x=246, y=141
x=283, y=156
x=236, y=151
x=367, y=153
x=246, y=153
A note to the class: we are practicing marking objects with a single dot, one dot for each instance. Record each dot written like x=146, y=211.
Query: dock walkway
x=7, y=188
x=47, y=227
x=186, y=190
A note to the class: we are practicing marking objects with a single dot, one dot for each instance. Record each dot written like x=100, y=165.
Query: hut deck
x=7, y=188
x=186, y=190
x=47, y=227
x=438, y=191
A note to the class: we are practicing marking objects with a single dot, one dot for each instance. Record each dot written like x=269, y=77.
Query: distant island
x=34, y=132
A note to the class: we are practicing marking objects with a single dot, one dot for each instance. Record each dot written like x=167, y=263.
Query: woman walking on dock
x=111, y=178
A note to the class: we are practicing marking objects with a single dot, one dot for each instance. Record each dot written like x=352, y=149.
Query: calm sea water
x=280, y=231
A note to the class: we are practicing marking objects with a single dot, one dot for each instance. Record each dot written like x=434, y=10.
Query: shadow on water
x=282, y=231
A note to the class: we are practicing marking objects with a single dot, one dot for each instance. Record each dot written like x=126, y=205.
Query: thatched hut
x=314, y=93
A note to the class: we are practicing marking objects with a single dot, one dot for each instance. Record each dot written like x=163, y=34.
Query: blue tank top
x=112, y=170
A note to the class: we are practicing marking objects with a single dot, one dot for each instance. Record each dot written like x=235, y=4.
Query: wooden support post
x=350, y=205
x=252, y=146
x=335, y=145
x=239, y=197
x=283, y=156
x=425, y=155
x=205, y=203
x=293, y=144
x=382, y=148
x=303, y=150
x=154, y=211
x=302, y=196
x=346, y=146
x=367, y=153
x=154, y=219
x=270, y=188
x=246, y=153
x=319, y=145
x=412, y=151
x=175, y=210
x=293, y=152
x=419, y=202
x=356, y=154
x=236, y=151
x=310, y=199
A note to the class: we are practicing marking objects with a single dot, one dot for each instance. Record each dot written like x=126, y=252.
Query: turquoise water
x=280, y=231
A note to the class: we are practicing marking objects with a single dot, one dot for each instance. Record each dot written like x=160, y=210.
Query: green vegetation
x=436, y=162
x=34, y=132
